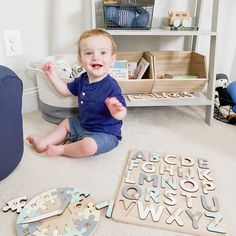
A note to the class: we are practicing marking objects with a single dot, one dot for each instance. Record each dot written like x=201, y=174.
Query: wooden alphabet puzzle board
x=160, y=96
x=169, y=192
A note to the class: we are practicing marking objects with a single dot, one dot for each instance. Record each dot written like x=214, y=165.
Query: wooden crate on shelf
x=132, y=86
x=179, y=71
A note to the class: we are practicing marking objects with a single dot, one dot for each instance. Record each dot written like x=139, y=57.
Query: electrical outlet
x=13, y=44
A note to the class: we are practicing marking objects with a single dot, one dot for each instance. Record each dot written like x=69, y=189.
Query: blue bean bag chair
x=11, y=130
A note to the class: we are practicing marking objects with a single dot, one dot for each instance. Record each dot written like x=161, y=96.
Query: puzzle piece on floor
x=15, y=204
x=109, y=205
x=88, y=225
x=27, y=229
x=72, y=232
x=43, y=232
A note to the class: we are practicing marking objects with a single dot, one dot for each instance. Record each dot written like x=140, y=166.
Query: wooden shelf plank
x=162, y=32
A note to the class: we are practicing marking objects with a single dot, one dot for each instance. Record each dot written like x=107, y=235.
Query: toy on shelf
x=180, y=20
x=225, y=99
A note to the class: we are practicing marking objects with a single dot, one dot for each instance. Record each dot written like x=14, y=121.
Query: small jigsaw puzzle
x=59, y=212
x=170, y=192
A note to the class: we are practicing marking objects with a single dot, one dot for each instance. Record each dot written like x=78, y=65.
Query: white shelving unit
x=201, y=99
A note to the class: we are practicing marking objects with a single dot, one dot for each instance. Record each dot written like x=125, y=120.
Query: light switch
x=13, y=43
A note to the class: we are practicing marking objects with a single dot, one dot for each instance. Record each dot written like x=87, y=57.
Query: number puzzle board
x=170, y=192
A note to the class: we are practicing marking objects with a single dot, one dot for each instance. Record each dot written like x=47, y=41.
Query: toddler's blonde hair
x=95, y=32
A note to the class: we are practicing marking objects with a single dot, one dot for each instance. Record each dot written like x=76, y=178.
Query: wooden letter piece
x=213, y=226
x=148, y=167
x=143, y=213
x=189, y=197
x=207, y=187
x=109, y=205
x=168, y=168
x=153, y=178
x=194, y=217
x=183, y=184
x=174, y=216
x=154, y=157
x=139, y=155
x=187, y=172
x=135, y=194
x=168, y=158
x=133, y=164
x=187, y=161
x=213, y=208
x=152, y=193
x=165, y=179
x=171, y=200
x=203, y=163
x=204, y=173
x=128, y=178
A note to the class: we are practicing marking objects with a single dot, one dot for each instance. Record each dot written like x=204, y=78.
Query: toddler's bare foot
x=37, y=143
x=53, y=150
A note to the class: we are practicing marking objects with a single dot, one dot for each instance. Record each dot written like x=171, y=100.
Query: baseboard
x=30, y=100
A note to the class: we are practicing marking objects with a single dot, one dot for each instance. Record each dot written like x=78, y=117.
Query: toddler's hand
x=114, y=105
x=48, y=69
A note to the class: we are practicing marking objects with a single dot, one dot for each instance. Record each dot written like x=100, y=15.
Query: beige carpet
x=176, y=130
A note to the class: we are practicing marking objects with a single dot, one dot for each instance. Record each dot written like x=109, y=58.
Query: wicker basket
x=128, y=14
x=54, y=106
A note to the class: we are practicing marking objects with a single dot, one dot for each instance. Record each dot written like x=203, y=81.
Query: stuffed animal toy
x=232, y=92
x=223, y=100
x=63, y=69
x=66, y=71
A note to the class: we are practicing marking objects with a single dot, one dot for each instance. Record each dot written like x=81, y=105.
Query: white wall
x=51, y=27
x=227, y=39
x=67, y=20
x=31, y=19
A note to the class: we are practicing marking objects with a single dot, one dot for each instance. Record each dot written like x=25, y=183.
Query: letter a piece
x=139, y=155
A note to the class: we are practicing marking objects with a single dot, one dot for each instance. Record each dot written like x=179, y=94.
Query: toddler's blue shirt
x=94, y=114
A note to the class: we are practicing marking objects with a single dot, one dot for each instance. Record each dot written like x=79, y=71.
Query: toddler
x=101, y=104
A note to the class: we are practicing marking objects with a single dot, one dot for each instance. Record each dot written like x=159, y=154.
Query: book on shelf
x=131, y=69
x=141, y=68
x=120, y=70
